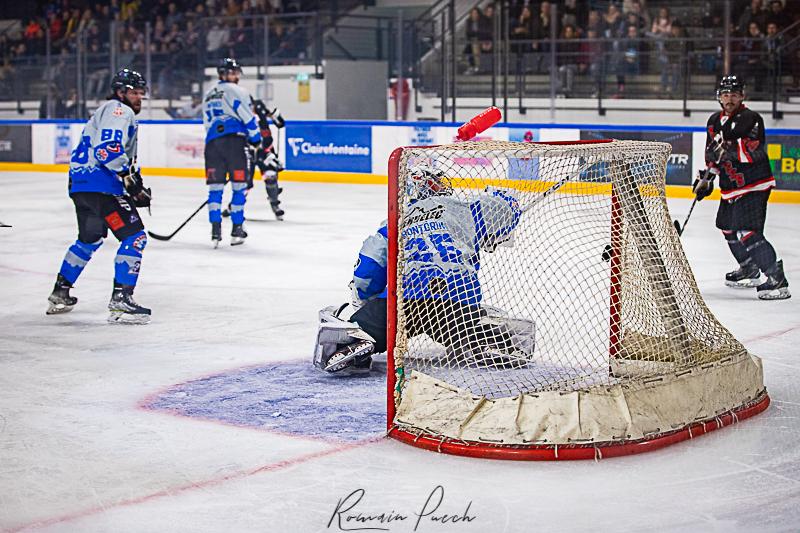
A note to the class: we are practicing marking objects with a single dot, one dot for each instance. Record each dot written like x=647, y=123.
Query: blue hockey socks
x=215, y=202
x=76, y=259
x=237, y=202
x=129, y=259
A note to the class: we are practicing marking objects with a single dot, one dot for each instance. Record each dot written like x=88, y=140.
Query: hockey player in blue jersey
x=445, y=282
x=106, y=188
x=231, y=136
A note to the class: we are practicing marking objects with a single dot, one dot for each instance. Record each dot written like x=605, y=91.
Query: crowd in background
x=596, y=39
x=631, y=37
x=183, y=32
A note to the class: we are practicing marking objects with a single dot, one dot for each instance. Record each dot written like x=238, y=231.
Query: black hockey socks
x=758, y=249
x=737, y=248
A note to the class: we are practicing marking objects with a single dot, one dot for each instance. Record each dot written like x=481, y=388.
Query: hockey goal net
x=578, y=332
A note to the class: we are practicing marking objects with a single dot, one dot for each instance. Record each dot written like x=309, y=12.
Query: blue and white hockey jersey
x=443, y=239
x=226, y=111
x=369, y=275
x=107, y=146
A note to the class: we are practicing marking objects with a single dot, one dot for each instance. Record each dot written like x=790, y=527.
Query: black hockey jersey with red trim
x=736, y=148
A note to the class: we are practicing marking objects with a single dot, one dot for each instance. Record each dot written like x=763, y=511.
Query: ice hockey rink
x=211, y=418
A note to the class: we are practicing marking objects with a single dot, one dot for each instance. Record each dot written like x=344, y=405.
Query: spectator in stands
x=662, y=24
x=751, y=57
x=567, y=60
x=674, y=56
x=596, y=22
x=636, y=7
x=173, y=15
x=521, y=33
x=487, y=29
x=753, y=13
x=776, y=13
x=772, y=45
x=615, y=24
x=474, y=34
x=628, y=58
x=541, y=31
x=216, y=38
x=239, y=45
x=594, y=59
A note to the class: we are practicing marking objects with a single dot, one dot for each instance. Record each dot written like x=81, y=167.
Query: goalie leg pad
x=517, y=334
x=345, y=340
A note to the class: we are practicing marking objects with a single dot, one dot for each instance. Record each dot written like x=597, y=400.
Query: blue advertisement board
x=329, y=147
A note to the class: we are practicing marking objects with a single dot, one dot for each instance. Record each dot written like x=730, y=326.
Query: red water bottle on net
x=479, y=123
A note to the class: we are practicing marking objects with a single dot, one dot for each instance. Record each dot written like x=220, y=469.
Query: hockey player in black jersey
x=736, y=152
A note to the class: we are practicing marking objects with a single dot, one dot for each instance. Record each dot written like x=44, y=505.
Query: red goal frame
x=534, y=451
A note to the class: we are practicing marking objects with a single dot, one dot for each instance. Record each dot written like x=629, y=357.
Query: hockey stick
x=560, y=183
x=678, y=225
x=171, y=235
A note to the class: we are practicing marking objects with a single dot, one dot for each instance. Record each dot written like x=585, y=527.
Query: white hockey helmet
x=425, y=181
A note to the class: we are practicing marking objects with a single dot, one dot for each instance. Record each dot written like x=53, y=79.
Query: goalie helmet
x=730, y=84
x=425, y=181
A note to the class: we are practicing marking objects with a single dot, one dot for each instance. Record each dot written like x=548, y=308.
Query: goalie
x=444, y=237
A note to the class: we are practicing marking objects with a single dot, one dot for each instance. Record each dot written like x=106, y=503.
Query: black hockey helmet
x=227, y=65
x=730, y=84
x=128, y=79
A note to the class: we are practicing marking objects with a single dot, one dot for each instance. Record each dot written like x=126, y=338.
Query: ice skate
x=354, y=358
x=747, y=276
x=277, y=210
x=487, y=358
x=59, y=300
x=216, y=233
x=238, y=235
x=123, y=308
x=776, y=287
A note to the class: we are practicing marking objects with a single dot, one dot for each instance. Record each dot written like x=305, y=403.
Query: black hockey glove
x=703, y=185
x=134, y=186
x=277, y=118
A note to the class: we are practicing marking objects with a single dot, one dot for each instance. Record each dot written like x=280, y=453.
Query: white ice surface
x=78, y=454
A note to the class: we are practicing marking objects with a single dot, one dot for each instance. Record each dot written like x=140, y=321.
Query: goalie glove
x=134, y=186
x=355, y=301
x=704, y=184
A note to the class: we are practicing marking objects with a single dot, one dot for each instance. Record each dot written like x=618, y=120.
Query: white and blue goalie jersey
x=369, y=274
x=107, y=147
x=443, y=238
x=226, y=111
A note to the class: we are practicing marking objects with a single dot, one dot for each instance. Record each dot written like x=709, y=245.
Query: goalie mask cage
x=622, y=356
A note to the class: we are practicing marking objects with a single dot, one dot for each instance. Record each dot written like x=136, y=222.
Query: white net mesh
x=539, y=268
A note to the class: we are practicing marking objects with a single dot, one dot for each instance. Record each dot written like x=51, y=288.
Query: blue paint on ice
x=287, y=397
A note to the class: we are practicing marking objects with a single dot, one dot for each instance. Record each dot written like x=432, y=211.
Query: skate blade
x=58, y=309
x=120, y=317
x=216, y=243
x=744, y=284
x=776, y=294
x=236, y=241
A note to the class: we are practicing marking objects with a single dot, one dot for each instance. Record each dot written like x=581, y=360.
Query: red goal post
x=598, y=272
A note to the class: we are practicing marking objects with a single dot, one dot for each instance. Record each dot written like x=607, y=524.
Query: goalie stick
x=171, y=235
